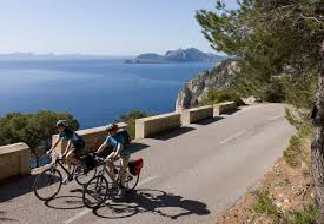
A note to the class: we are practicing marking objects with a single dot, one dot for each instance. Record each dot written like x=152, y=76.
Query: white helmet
x=62, y=123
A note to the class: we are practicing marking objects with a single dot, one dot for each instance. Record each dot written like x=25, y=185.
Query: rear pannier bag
x=135, y=166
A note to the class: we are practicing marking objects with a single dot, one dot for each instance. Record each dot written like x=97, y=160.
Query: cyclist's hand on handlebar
x=50, y=152
x=62, y=156
x=111, y=156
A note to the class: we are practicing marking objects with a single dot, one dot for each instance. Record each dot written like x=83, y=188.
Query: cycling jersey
x=117, y=140
x=76, y=140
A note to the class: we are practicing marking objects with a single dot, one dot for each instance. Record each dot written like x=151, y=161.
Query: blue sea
x=96, y=92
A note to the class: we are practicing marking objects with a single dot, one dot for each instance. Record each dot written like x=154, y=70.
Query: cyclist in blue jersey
x=75, y=145
x=117, y=141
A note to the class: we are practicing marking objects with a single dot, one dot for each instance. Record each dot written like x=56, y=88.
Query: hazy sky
x=114, y=27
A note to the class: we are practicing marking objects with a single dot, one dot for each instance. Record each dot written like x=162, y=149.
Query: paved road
x=189, y=176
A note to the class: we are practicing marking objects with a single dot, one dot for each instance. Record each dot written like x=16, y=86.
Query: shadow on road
x=65, y=202
x=210, y=121
x=232, y=111
x=151, y=201
x=136, y=147
x=168, y=135
x=15, y=187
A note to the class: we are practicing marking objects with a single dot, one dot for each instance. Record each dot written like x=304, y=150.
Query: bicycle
x=99, y=189
x=48, y=183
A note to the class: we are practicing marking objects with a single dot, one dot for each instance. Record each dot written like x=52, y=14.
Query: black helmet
x=61, y=123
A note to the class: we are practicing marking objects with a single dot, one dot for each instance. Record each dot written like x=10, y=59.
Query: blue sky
x=113, y=27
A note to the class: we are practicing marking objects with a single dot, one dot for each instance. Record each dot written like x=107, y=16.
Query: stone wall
x=196, y=114
x=225, y=108
x=151, y=126
x=14, y=160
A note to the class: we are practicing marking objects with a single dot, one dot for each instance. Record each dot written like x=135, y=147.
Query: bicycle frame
x=60, y=163
x=116, y=170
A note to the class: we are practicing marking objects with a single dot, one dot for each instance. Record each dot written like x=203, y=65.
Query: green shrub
x=293, y=154
x=221, y=96
x=274, y=91
x=307, y=216
x=130, y=118
x=33, y=128
x=299, y=119
x=264, y=204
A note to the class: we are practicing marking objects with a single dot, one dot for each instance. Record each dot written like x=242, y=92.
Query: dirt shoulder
x=283, y=190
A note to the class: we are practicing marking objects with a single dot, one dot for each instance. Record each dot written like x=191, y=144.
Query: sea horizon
x=95, y=91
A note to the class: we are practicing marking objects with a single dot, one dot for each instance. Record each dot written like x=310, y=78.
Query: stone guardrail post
x=151, y=126
x=224, y=108
x=14, y=160
x=194, y=115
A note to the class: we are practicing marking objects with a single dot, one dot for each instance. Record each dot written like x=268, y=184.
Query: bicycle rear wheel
x=48, y=184
x=131, y=181
x=95, y=191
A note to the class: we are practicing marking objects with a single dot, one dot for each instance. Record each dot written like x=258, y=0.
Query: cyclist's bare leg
x=110, y=168
x=71, y=160
x=123, y=170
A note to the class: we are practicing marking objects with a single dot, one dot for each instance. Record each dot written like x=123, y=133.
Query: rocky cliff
x=219, y=77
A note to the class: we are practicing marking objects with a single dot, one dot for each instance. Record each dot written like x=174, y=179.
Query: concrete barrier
x=151, y=126
x=14, y=160
x=93, y=137
x=224, y=108
x=196, y=114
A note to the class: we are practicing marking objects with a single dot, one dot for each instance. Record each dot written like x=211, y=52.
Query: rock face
x=176, y=56
x=220, y=77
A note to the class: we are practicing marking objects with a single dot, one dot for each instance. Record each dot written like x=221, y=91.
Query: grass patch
x=264, y=203
x=306, y=216
x=293, y=154
x=296, y=153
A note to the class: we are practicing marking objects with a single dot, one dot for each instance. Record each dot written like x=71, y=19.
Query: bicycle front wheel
x=48, y=184
x=85, y=176
x=95, y=191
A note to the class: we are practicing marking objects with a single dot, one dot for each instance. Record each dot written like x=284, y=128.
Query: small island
x=176, y=56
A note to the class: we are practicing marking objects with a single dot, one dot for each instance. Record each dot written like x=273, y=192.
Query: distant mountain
x=176, y=56
x=32, y=56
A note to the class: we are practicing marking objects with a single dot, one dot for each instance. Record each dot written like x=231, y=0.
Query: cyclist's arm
x=102, y=147
x=56, y=143
x=119, y=148
x=115, y=152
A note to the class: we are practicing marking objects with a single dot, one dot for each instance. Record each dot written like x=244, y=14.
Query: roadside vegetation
x=130, y=118
x=35, y=129
x=276, y=44
x=276, y=48
x=285, y=195
x=221, y=96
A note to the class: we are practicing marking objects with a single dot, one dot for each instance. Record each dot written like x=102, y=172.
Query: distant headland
x=176, y=56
